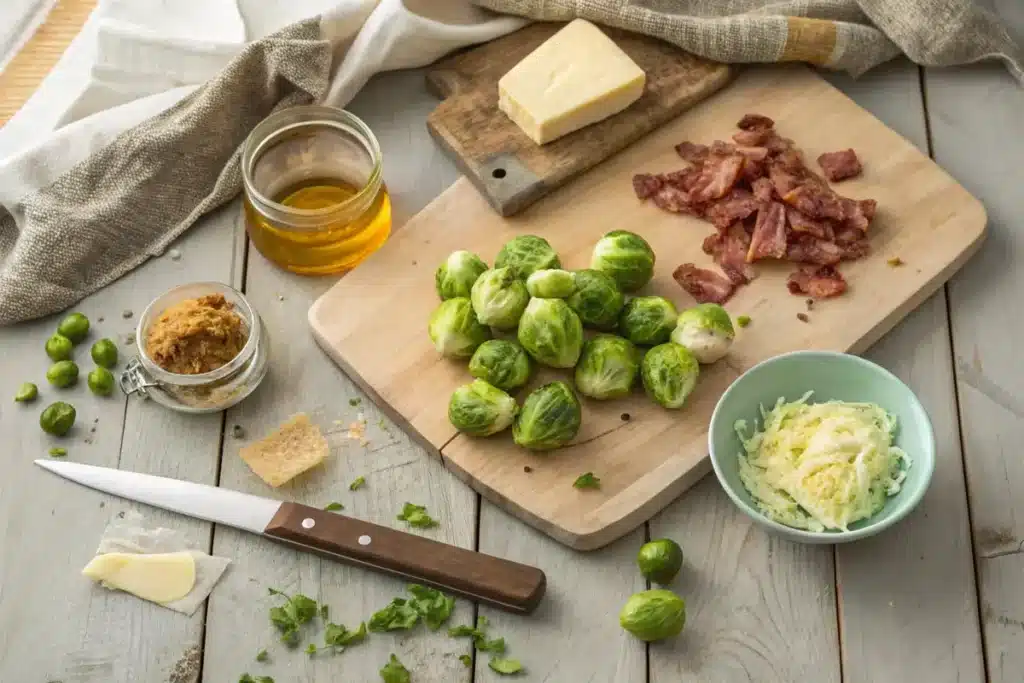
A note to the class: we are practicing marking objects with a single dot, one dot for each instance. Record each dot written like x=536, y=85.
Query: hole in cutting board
x=498, y=173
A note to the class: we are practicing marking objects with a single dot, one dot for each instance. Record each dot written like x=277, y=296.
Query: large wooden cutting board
x=508, y=168
x=373, y=322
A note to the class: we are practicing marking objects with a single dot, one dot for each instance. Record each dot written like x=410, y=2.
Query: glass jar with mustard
x=201, y=348
x=315, y=199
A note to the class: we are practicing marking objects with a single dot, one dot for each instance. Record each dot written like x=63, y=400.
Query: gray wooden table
x=937, y=598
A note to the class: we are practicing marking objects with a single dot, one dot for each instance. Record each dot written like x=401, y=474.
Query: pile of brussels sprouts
x=527, y=295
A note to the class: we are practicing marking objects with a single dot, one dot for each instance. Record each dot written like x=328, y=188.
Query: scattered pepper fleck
x=810, y=304
x=527, y=469
x=895, y=262
x=126, y=314
x=743, y=320
x=625, y=417
x=237, y=432
x=802, y=317
x=129, y=339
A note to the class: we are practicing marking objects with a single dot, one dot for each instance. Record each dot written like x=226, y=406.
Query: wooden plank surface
x=907, y=598
x=508, y=167
x=922, y=211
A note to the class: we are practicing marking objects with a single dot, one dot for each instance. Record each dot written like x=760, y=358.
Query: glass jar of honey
x=315, y=200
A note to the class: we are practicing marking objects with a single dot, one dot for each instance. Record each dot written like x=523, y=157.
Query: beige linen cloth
x=154, y=145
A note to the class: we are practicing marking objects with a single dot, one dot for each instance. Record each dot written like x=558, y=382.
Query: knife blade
x=505, y=584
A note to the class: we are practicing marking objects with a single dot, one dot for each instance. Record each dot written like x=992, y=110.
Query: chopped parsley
x=416, y=516
x=398, y=615
x=587, y=480
x=505, y=667
x=743, y=320
x=334, y=507
x=262, y=656
x=394, y=672
x=467, y=660
x=290, y=617
x=357, y=483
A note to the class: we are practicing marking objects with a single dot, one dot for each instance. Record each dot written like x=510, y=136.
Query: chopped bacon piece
x=868, y=208
x=645, y=184
x=729, y=249
x=818, y=282
x=753, y=153
x=691, y=151
x=777, y=144
x=705, y=286
x=683, y=179
x=815, y=201
x=762, y=189
x=854, y=214
x=752, y=170
x=857, y=249
x=782, y=180
x=721, y=148
x=718, y=175
x=840, y=165
x=754, y=121
x=769, y=238
x=847, y=235
x=752, y=138
x=735, y=206
x=810, y=249
x=791, y=161
x=673, y=200
x=801, y=223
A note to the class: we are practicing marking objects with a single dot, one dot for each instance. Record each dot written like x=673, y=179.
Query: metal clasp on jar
x=134, y=380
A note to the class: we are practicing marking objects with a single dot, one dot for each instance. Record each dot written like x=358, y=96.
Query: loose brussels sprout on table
x=706, y=330
x=551, y=283
x=648, y=320
x=607, y=368
x=626, y=257
x=551, y=333
x=550, y=417
x=504, y=364
x=660, y=560
x=597, y=299
x=653, y=615
x=455, y=330
x=526, y=254
x=669, y=374
x=499, y=298
x=455, y=277
x=480, y=409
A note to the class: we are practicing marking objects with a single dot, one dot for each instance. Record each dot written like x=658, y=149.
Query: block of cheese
x=577, y=77
x=158, y=577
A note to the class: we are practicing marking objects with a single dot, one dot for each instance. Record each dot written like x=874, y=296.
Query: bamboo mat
x=33, y=62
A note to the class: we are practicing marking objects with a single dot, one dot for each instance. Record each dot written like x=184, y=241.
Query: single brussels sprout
x=480, y=409
x=504, y=364
x=58, y=347
x=648, y=320
x=455, y=277
x=26, y=393
x=551, y=333
x=550, y=417
x=551, y=283
x=706, y=330
x=74, y=327
x=608, y=367
x=526, y=254
x=455, y=330
x=597, y=299
x=669, y=374
x=660, y=560
x=627, y=257
x=653, y=615
x=62, y=374
x=57, y=418
x=499, y=298
x=104, y=353
x=101, y=382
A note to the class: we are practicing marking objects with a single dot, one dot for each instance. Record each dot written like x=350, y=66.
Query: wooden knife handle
x=509, y=585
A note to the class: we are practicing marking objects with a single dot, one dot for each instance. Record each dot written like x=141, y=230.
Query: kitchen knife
x=509, y=585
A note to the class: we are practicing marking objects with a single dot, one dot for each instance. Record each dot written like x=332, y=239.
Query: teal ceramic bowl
x=831, y=376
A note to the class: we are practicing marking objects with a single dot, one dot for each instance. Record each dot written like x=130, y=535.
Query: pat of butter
x=160, y=577
x=575, y=78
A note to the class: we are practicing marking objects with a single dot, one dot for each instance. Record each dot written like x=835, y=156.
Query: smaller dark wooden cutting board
x=509, y=168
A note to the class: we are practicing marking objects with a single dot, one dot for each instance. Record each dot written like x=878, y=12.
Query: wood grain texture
x=981, y=145
x=649, y=460
x=908, y=603
x=302, y=379
x=512, y=171
x=23, y=74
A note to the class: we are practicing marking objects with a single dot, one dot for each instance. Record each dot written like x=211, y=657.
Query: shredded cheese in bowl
x=821, y=466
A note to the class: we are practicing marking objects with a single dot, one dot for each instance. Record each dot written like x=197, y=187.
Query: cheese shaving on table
x=821, y=466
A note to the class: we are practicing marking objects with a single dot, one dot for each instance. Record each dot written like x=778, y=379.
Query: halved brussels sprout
x=608, y=367
x=455, y=330
x=669, y=374
x=706, y=331
x=455, y=277
x=597, y=299
x=504, y=364
x=648, y=320
x=551, y=283
x=499, y=298
x=627, y=257
x=550, y=418
x=526, y=254
x=480, y=409
x=551, y=333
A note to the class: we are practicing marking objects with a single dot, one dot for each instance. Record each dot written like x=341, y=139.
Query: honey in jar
x=315, y=200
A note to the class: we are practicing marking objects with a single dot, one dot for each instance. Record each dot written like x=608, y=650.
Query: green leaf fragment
x=334, y=507
x=324, y=610
x=505, y=667
x=394, y=672
x=289, y=617
x=262, y=656
x=357, y=483
x=246, y=678
x=467, y=660
x=303, y=608
x=432, y=605
x=587, y=480
x=496, y=646
x=355, y=401
x=58, y=452
x=353, y=637
x=743, y=320
x=397, y=616
x=416, y=516
x=465, y=631
x=311, y=649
